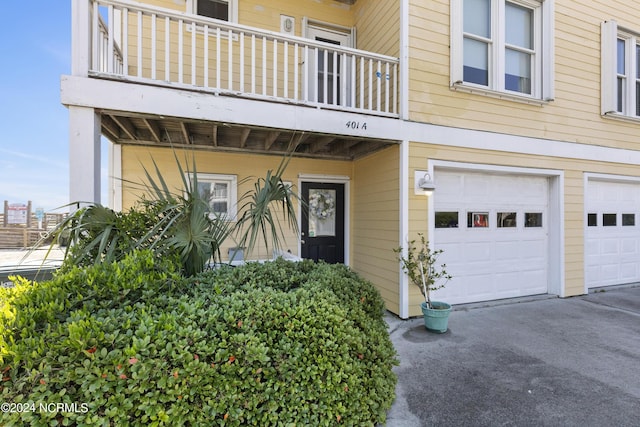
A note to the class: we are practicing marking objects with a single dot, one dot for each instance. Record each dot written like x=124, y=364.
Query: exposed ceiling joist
x=185, y=133
x=110, y=128
x=321, y=143
x=364, y=147
x=126, y=125
x=124, y=128
x=344, y=146
x=214, y=135
x=298, y=140
x=244, y=136
x=153, y=127
x=270, y=139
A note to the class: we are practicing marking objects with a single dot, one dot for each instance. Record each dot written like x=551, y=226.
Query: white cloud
x=44, y=160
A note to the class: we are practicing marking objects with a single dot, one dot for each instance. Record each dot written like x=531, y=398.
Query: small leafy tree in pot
x=421, y=266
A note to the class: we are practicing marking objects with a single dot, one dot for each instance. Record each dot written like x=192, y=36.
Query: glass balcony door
x=326, y=77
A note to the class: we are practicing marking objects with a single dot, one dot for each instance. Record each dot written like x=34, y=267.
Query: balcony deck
x=134, y=43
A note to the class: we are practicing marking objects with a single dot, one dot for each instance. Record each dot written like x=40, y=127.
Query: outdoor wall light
x=423, y=183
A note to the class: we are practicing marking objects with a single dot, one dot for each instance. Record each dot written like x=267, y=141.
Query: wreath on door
x=322, y=204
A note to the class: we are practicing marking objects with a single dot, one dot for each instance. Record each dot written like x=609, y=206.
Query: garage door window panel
x=609, y=220
x=628, y=219
x=446, y=219
x=478, y=219
x=506, y=220
x=592, y=220
x=533, y=219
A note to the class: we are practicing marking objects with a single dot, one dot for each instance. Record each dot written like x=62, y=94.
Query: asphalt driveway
x=527, y=362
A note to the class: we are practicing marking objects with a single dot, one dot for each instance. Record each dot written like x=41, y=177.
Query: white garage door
x=494, y=231
x=612, y=243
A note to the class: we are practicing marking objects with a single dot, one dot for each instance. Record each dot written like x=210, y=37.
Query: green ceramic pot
x=436, y=319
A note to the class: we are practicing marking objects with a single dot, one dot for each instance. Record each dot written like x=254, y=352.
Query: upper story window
x=620, y=71
x=225, y=10
x=503, y=47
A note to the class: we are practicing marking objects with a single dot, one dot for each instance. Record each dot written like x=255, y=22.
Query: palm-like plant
x=258, y=219
x=178, y=224
x=186, y=228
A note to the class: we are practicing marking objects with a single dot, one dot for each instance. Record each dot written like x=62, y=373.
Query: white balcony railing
x=141, y=43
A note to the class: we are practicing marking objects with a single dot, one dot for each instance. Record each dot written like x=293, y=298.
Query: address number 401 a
x=356, y=125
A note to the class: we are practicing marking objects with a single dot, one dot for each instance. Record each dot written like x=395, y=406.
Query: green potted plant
x=420, y=264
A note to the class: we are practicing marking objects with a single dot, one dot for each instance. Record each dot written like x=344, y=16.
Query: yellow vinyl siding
x=247, y=167
x=266, y=15
x=376, y=222
x=378, y=26
x=574, y=114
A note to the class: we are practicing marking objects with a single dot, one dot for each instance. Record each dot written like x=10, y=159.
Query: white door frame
x=334, y=179
x=344, y=36
x=556, y=264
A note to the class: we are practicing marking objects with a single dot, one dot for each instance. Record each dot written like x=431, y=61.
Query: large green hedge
x=133, y=343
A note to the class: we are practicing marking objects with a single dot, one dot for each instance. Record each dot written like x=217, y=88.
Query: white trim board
x=144, y=99
x=403, y=279
x=115, y=176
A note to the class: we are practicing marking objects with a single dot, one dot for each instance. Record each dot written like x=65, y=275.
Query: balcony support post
x=84, y=155
x=80, y=37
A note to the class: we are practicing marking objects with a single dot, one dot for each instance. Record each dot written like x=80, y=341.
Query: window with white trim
x=504, y=47
x=221, y=193
x=225, y=10
x=620, y=71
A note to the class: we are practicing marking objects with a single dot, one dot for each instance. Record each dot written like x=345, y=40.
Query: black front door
x=323, y=222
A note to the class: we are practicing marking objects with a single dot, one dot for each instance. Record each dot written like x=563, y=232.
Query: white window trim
x=233, y=9
x=610, y=33
x=232, y=181
x=542, y=82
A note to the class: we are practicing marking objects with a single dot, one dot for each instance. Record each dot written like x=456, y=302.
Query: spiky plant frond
x=258, y=219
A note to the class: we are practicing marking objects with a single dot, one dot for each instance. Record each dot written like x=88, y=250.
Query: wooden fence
x=21, y=236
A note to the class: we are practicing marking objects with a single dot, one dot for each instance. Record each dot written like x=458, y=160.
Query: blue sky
x=35, y=50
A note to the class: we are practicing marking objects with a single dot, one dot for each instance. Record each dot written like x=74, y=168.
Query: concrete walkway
x=26, y=263
x=527, y=362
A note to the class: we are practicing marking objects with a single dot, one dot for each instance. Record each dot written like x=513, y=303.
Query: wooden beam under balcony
x=110, y=128
x=270, y=139
x=342, y=147
x=186, y=136
x=244, y=136
x=160, y=130
x=214, y=135
x=321, y=144
x=126, y=126
x=153, y=127
x=363, y=147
